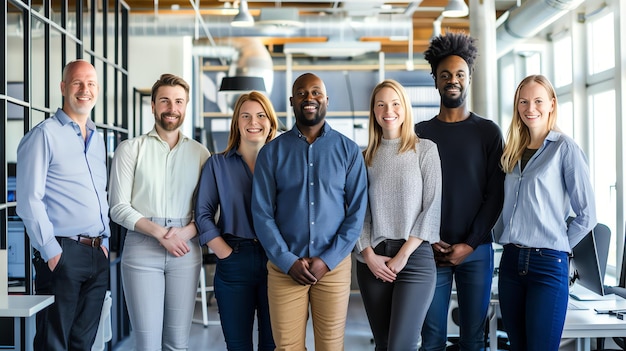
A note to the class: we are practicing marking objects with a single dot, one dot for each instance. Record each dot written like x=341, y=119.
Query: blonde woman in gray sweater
x=396, y=268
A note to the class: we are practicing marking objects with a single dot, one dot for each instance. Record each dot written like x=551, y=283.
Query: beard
x=449, y=102
x=319, y=117
x=169, y=126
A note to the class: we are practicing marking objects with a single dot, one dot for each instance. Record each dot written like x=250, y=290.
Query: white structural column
x=484, y=81
x=620, y=99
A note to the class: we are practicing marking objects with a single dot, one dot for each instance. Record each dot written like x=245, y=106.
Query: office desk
x=581, y=325
x=25, y=306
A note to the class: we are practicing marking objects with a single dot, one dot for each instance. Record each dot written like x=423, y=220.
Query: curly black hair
x=458, y=44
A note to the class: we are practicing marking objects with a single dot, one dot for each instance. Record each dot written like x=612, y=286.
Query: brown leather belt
x=95, y=241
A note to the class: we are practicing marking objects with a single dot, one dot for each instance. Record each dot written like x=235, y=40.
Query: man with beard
x=152, y=185
x=470, y=148
x=61, y=197
x=308, y=202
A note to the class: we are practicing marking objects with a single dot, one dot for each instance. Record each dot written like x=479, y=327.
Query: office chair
x=602, y=234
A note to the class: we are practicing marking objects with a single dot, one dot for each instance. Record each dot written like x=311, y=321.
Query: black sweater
x=473, y=182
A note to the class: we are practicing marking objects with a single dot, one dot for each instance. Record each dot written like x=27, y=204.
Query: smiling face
x=79, y=88
x=534, y=106
x=254, y=124
x=309, y=100
x=453, y=79
x=169, y=107
x=389, y=112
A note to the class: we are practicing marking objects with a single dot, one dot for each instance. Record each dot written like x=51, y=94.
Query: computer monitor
x=586, y=270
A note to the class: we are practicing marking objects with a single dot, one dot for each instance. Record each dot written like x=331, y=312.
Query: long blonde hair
x=518, y=136
x=234, y=138
x=407, y=134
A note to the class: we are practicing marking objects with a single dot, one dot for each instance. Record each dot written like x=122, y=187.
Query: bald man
x=62, y=199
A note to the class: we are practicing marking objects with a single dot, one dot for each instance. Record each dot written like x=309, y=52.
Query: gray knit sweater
x=404, y=195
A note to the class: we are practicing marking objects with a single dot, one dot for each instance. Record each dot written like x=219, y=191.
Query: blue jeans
x=533, y=289
x=473, y=287
x=241, y=291
x=392, y=309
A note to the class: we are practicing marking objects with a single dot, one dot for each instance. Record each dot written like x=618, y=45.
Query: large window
x=602, y=115
x=563, y=60
x=601, y=43
x=601, y=107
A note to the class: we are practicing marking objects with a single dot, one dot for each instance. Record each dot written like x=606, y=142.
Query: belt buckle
x=93, y=241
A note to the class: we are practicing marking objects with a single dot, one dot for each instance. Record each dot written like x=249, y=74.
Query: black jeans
x=78, y=283
x=396, y=310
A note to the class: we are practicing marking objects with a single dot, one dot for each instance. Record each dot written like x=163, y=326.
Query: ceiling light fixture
x=280, y=17
x=243, y=18
x=455, y=8
x=242, y=84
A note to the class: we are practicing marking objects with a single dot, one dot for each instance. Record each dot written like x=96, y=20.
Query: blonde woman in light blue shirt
x=547, y=178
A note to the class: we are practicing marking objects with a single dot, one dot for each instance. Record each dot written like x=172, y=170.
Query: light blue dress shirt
x=309, y=200
x=539, y=199
x=61, y=183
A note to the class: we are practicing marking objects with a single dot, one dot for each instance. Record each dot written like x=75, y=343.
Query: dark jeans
x=78, y=283
x=473, y=287
x=397, y=310
x=241, y=291
x=533, y=289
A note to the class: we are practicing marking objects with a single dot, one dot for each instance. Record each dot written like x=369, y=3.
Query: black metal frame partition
x=38, y=40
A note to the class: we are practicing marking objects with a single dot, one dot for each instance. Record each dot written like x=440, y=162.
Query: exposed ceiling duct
x=529, y=19
x=352, y=20
x=306, y=26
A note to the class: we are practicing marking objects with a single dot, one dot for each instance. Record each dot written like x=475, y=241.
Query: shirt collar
x=325, y=129
x=553, y=135
x=181, y=137
x=232, y=152
x=64, y=119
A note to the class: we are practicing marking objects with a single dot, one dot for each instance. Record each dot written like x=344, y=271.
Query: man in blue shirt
x=61, y=197
x=308, y=204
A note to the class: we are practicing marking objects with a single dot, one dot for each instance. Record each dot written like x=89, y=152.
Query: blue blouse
x=225, y=184
x=539, y=199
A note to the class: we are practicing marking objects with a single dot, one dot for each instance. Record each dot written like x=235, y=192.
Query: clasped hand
x=308, y=270
x=174, y=242
x=451, y=255
x=384, y=268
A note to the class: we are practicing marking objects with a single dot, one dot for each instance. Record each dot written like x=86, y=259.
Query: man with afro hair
x=470, y=147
